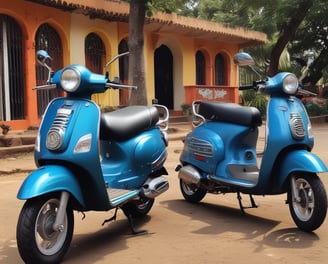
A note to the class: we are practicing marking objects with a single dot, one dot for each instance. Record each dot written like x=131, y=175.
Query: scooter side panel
x=127, y=164
x=203, y=148
x=47, y=179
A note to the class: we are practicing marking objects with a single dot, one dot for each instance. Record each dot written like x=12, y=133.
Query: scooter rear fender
x=300, y=160
x=50, y=178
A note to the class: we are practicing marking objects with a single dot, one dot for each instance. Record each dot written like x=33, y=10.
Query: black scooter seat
x=127, y=122
x=230, y=113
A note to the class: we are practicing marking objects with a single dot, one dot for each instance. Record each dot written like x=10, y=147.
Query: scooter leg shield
x=301, y=160
x=48, y=179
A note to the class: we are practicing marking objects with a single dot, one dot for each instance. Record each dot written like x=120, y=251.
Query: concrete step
x=17, y=142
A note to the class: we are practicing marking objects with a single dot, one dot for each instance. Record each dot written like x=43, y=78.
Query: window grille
x=47, y=39
x=219, y=70
x=12, y=78
x=200, y=68
x=94, y=53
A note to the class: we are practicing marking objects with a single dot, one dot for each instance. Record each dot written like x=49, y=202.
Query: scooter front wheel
x=37, y=241
x=309, y=206
x=191, y=192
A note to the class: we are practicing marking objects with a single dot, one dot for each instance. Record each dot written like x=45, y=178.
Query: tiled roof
x=159, y=22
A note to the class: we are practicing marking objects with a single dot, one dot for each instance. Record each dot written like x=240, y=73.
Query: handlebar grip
x=246, y=87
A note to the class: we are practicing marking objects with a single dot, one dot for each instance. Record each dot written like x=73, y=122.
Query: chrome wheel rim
x=49, y=241
x=188, y=189
x=304, y=206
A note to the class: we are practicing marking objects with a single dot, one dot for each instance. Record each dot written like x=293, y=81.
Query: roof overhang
x=160, y=22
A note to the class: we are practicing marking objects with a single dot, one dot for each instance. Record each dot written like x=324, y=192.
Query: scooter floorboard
x=117, y=196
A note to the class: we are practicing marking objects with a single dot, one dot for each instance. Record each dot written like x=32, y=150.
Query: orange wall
x=30, y=16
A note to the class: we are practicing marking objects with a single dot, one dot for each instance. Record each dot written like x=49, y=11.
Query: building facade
x=185, y=58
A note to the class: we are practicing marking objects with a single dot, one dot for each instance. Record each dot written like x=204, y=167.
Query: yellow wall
x=81, y=26
x=183, y=50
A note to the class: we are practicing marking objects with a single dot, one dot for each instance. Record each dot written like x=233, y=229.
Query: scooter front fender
x=301, y=160
x=50, y=178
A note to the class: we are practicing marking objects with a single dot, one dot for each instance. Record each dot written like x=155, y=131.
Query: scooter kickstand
x=113, y=218
x=253, y=204
x=132, y=227
x=240, y=203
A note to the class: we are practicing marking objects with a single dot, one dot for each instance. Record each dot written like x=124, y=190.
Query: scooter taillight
x=200, y=157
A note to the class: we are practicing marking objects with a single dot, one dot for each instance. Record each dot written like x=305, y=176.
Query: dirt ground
x=213, y=231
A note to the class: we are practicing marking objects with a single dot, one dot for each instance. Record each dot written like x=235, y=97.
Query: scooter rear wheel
x=309, y=210
x=37, y=241
x=191, y=192
x=138, y=208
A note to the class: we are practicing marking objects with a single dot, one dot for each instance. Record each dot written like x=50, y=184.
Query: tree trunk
x=136, y=49
x=287, y=33
x=316, y=68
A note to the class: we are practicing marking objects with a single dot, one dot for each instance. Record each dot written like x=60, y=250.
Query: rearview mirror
x=243, y=59
x=42, y=56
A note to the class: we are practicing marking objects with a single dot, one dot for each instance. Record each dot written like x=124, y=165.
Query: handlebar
x=254, y=86
x=246, y=87
x=45, y=87
x=120, y=86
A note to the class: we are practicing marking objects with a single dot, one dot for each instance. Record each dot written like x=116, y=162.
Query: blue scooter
x=219, y=155
x=88, y=160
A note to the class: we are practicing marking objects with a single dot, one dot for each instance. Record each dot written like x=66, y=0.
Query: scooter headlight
x=290, y=84
x=70, y=80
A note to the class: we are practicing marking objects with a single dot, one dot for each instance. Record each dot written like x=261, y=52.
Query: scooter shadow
x=110, y=238
x=220, y=219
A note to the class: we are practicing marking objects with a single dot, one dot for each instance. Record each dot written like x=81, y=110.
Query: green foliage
x=316, y=106
x=258, y=100
x=186, y=109
x=273, y=17
x=166, y=6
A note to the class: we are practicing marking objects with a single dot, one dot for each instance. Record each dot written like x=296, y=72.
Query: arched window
x=95, y=53
x=12, y=96
x=200, y=68
x=47, y=39
x=219, y=70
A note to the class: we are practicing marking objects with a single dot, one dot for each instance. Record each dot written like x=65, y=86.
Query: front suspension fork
x=60, y=217
x=295, y=197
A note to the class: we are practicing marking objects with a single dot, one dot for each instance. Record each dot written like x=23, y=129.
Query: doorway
x=163, y=63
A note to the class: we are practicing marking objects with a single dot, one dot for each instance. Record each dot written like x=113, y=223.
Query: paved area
x=207, y=233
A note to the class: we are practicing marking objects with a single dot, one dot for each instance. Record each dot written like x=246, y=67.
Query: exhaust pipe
x=155, y=187
x=189, y=175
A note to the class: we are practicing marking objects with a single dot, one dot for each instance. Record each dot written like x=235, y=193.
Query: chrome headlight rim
x=290, y=84
x=70, y=79
x=54, y=140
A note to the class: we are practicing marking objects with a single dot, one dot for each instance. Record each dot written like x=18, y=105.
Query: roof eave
x=118, y=11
